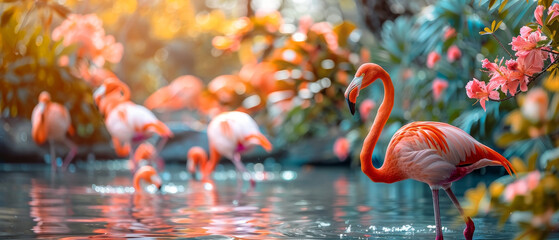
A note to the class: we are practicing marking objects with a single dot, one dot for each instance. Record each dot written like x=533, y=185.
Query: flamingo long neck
x=381, y=174
x=212, y=163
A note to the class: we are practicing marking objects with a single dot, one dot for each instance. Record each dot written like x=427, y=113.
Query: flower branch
x=533, y=78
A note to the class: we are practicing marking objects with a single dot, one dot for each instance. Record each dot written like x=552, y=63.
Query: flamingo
x=431, y=152
x=183, y=92
x=149, y=175
x=197, y=157
x=111, y=93
x=145, y=154
x=51, y=121
x=230, y=134
x=127, y=122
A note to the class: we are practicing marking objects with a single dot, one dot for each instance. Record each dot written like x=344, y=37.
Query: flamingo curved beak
x=352, y=92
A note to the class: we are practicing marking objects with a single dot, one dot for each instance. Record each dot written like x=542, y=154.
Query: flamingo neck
x=210, y=165
x=383, y=174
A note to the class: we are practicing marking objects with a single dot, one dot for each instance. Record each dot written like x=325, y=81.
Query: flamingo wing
x=435, y=152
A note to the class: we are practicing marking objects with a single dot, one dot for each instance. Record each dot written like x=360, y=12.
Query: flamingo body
x=129, y=122
x=51, y=121
x=437, y=153
x=235, y=132
x=431, y=152
x=183, y=92
x=229, y=135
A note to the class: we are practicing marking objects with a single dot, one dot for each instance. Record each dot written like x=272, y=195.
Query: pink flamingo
x=51, y=121
x=197, y=157
x=229, y=135
x=111, y=93
x=149, y=175
x=431, y=152
x=183, y=92
x=127, y=122
x=145, y=154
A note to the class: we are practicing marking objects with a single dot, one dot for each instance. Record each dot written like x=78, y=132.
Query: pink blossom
x=538, y=14
x=553, y=11
x=453, y=53
x=341, y=148
x=450, y=32
x=439, y=86
x=522, y=186
x=87, y=32
x=432, y=59
x=526, y=48
x=365, y=108
x=325, y=29
x=477, y=89
x=497, y=72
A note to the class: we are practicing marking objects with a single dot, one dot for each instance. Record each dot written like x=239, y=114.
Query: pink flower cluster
x=529, y=60
x=87, y=32
x=522, y=186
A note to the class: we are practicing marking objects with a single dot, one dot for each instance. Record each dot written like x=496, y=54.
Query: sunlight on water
x=321, y=203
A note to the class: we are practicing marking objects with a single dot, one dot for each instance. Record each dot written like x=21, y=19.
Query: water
x=320, y=203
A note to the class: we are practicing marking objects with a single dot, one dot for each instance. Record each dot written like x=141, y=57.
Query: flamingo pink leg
x=71, y=154
x=470, y=227
x=241, y=167
x=439, y=229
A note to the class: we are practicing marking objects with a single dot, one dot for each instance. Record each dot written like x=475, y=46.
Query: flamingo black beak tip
x=351, y=106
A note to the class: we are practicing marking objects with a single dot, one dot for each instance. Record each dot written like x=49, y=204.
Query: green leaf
x=6, y=15
x=543, y=43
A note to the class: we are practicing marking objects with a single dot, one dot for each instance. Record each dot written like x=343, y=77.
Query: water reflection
x=313, y=203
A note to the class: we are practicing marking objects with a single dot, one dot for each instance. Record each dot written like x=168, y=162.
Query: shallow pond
x=96, y=200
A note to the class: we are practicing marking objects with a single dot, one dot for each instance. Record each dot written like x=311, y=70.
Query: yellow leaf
x=488, y=30
x=492, y=25
x=552, y=82
x=496, y=189
x=519, y=165
x=498, y=24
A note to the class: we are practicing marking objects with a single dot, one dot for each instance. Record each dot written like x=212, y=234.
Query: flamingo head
x=99, y=93
x=196, y=156
x=110, y=85
x=149, y=175
x=365, y=75
x=44, y=97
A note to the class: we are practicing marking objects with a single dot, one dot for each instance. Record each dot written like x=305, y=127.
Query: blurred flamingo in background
x=127, y=122
x=146, y=154
x=183, y=92
x=229, y=135
x=341, y=148
x=197, y=157
x=431, y=152
x=111, y=93
x=149, y=175
x=51, y=121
